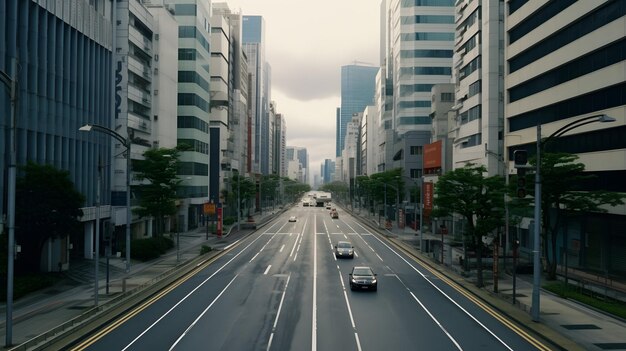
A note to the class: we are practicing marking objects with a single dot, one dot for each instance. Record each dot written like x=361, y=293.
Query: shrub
x=204, y=249
x=150, y=248
x=25, y=284
x=229, y=220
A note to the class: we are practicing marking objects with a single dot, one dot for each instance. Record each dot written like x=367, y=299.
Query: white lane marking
x=253, y=257
x=290, y=234
x=295, y=256
x=294, y=245
x=345, y=236
x=334, y=233
x=443, y=293
x=280, y=307
x=230, y=245
x=189, y=294
x=281, y=248
x=355, y=254
x=314, y=321
x=345, y=294
x=358, y=343
x=267, y=269
x=341, y=280
x=437, y=322
x=201, y=314
x=380, y=258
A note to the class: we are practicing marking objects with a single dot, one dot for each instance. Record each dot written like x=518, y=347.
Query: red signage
x=428, y=196
x=432, y=155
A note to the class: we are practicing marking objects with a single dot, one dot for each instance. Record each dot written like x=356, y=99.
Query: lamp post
x=536, y=247
x=11, y=84
x=126, y=142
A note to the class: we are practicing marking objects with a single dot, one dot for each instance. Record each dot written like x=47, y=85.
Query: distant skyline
x=306, y=45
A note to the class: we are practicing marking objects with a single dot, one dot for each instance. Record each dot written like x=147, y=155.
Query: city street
x=283, y=289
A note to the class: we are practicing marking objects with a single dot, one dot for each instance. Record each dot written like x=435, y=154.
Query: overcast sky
x=307, y=42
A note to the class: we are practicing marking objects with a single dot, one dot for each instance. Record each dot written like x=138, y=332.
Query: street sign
x=209, y=208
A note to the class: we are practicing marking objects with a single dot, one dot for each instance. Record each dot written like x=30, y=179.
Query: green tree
x=562, y=193
x=157, y=192
x=48, y=207
x=244, y=189
x=478, y=199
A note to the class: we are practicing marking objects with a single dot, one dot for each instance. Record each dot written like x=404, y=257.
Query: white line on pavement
x=281, y=248
x=358, y=343
x=189, y=294
x=201, y=314
x=267, y=269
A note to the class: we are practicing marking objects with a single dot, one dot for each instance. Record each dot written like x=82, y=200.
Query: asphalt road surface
x=282, y=288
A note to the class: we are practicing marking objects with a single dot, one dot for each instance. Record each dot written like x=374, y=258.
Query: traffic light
x=521, y=183
x=520, y=158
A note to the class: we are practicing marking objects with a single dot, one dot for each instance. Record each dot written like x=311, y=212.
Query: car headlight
x=373, y=281
x=353, y=280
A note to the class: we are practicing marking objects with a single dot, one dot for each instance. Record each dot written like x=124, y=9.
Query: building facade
x=64, y=82
x=565, y=61
x=420, y=47
x=479, y=78
x=357, y=91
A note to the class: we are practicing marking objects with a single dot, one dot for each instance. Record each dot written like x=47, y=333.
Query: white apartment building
x=420, y=48
x=478, y=72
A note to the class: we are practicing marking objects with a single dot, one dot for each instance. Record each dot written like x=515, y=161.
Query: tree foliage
x=47, y=207
x=562, y=179
x=478, y=199
x=157, y=192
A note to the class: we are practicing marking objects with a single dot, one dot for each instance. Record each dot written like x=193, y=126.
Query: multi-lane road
x=282, y=288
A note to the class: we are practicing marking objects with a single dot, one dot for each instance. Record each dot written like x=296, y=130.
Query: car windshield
x=344, y=245
x=362, y=271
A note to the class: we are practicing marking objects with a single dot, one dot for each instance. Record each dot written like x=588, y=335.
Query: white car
x=292, y=219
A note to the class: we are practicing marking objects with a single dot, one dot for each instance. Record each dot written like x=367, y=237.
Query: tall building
x=280, y=145
x=194, y=98
x=357, y=91
x=328, y=170
x=565, y=60
x=479, y=57
x=253, y=39
x=303, y=157
x=64, y=81
x=420, y=46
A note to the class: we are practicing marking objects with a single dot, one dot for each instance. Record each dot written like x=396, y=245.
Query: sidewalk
x=564, y=323
x=49, y=312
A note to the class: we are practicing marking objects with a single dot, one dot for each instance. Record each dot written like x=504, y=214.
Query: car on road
x=334, y=213
x=362, y=277
x=328, y=206
x=292, y=219
x=344, y=249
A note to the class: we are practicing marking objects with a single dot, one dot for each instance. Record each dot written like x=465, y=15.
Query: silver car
x=344, y=249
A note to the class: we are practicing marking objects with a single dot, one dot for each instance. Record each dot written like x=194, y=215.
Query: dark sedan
x=363, y=278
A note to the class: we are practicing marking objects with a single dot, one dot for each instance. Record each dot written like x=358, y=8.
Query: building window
x=415, y=150
x=416, y=174
x=447, y=97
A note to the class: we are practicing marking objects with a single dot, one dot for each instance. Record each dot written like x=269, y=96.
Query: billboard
x=432, y=155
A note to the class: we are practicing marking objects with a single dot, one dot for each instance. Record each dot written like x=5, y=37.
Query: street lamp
x=11, y=84
x=559, y=132
x=126, y=142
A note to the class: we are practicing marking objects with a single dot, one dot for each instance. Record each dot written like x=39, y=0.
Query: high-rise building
x=420, y=46
x=565, y=61
x=194, y=99
x=280, y=145
x=328, y=170
x=357, y=91
x=64, y=81
x=479, y=57
x=253, y=40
